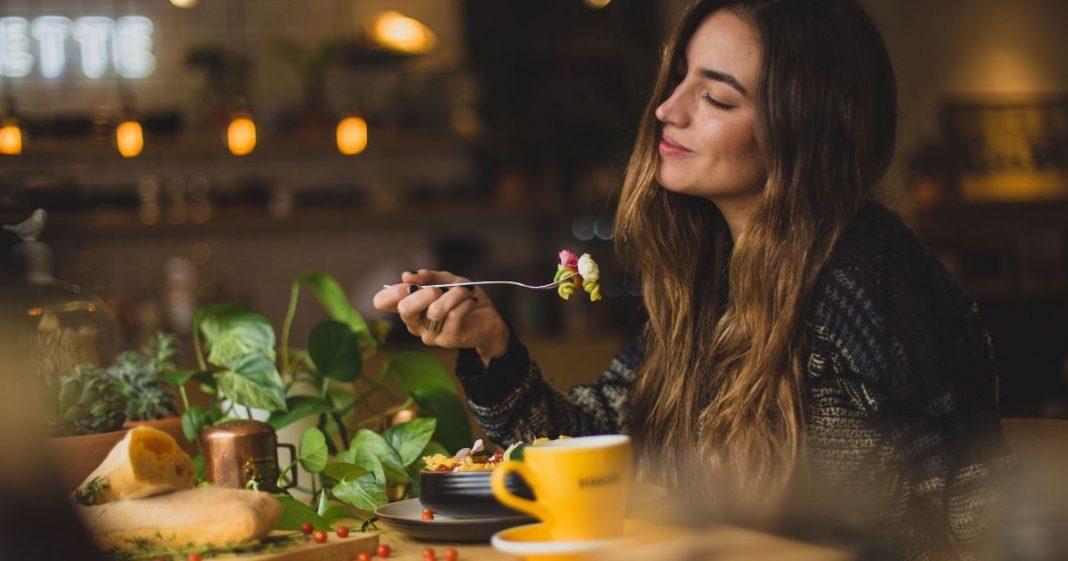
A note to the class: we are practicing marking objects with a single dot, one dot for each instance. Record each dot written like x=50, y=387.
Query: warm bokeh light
x=241, y=136
x=129, y=139
x=598, y=4
x=184, y=3
x=351, y=136
x=401, y=33
x=10, y=138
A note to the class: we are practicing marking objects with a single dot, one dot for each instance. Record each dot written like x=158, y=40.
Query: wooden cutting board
x=335, y=549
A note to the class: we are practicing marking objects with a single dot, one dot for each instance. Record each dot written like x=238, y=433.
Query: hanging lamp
x=351, y=135
x=10, y=130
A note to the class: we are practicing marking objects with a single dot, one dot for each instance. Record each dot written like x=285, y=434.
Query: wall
x=307, y=22
x=953, y=47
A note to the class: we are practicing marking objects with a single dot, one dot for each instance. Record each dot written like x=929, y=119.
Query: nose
x=671, y=111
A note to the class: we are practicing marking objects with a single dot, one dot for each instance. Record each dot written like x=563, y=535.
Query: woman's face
x=708, y=144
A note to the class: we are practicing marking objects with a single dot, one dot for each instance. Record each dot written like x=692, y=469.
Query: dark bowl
x=467, y=494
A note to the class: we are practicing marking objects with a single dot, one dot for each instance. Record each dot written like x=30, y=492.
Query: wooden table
x=724, y=543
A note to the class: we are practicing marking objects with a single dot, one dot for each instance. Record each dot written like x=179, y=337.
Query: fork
x=477, y=283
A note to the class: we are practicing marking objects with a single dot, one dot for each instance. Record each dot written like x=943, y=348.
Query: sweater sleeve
x=911, y=343
x=512, y=401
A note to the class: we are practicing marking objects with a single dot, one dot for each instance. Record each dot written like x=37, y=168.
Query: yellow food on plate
x=145, y=462
x=205, y=516
x=467, y=460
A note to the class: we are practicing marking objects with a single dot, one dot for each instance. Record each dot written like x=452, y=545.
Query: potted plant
x=243, y=367
x=143, y=379
x=84, y=412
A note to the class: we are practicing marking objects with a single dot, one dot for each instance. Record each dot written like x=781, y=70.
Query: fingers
x=388, y=298
x=412, y=307
x=453, y=333
x=440, y=308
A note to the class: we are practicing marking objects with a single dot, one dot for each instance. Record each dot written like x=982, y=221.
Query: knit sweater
x=900, y=393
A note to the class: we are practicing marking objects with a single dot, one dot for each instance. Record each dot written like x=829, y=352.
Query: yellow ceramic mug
x=580, y=485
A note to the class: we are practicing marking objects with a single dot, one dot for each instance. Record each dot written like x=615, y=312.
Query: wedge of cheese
x=205, y=516
x=145, y=462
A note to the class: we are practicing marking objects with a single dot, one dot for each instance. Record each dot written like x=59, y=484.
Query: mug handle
x=497, y=479
x=292, y=458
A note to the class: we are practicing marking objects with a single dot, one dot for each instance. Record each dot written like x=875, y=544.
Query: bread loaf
x=205, y=516
x=145, y=462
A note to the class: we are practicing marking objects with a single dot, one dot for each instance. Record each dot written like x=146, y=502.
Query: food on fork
x=574, y=270
x=591, y=276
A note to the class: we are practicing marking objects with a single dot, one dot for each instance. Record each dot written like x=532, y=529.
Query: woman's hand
x=455, y=318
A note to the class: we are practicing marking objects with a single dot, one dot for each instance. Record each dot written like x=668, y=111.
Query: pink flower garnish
x=568, y=260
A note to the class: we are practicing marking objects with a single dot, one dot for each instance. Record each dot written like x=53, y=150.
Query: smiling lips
x=669, y=148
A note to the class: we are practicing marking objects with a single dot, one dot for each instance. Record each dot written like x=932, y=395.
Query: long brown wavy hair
x=719, y=399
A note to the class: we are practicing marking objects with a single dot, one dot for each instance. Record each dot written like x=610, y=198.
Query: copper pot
x=243, y=453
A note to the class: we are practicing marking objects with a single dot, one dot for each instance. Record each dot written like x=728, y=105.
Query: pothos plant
x=243, y=367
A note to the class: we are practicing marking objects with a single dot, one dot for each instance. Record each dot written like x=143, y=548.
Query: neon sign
x=126, y=41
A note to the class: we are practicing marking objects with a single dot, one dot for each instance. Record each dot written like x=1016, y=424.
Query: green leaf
x=517, y=452
x=245, y=334
x=312, y=450
x=193, y=420
x=332, y=297
x=296, y=513
x=410, y=438
x=253, y=381
x=212, y=319
x=297, y=408
x=324, y=503
x=336, y=514
x=418, y=465
x=335, y=350
x=343, y=470
x=178, y=378
x=340, y=398
x=428, y=382
x=365, y=460
x=198, y=466
x=433, y=448
x=364, y=492
x=368, y=441
x=206, y=379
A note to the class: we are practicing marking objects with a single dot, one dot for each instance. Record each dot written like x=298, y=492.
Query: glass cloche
x=64, y=324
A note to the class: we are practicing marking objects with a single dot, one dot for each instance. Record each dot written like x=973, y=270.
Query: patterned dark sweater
x=902, y=430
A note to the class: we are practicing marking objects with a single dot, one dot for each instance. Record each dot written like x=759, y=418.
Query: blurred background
x=197, y=151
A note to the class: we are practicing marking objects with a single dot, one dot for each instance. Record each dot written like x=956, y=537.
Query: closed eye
x=716, y=103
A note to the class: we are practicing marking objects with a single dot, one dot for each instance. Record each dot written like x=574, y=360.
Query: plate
x=532, y=542
x=406, y=517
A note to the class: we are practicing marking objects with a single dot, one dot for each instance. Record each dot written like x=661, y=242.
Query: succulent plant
x=86, y=401
x=140, y=378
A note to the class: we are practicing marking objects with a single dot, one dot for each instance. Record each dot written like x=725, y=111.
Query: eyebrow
x=722, y=77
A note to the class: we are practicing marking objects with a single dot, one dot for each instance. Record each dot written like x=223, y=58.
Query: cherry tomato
x=383, y=550
x=195, y=557
x=363, y=556
x=319, y=536
x=429, y=553
x=342, y=531
x=427, y=514
x=451, y=554
x=307, y=528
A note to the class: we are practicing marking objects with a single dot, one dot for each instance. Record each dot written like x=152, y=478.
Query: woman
x=799, y=336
